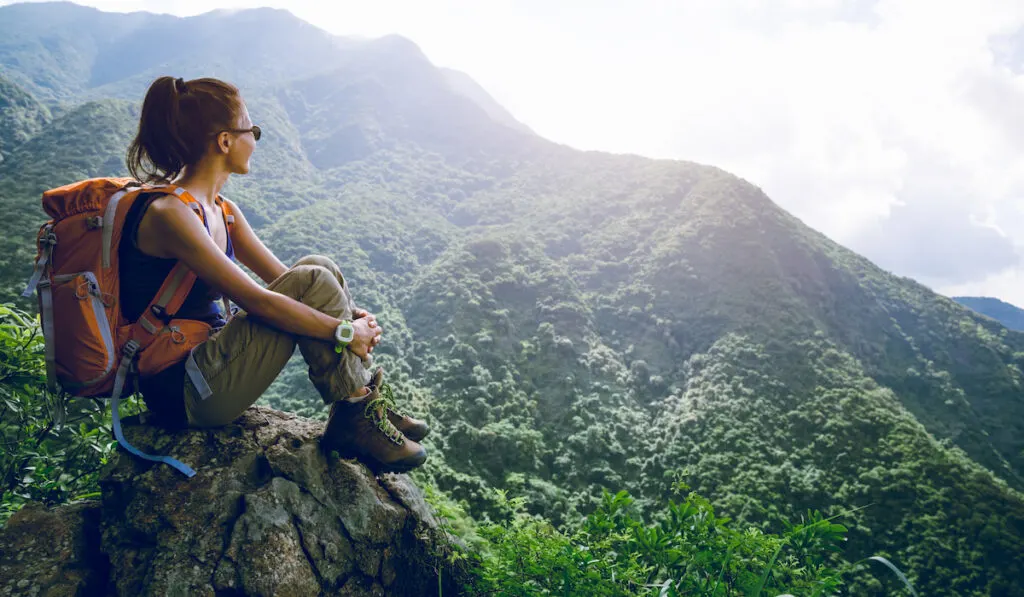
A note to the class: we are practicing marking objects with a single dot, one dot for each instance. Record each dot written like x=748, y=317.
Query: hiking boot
x=359, y=428
x=412, y=428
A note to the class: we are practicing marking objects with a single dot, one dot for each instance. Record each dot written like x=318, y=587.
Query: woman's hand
x=366, y=337
x=358, y=313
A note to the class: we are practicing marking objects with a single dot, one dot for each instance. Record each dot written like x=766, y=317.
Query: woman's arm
x=251, y=251
x=184, y=238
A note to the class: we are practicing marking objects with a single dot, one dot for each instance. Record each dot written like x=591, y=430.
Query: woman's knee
x=318, y=260
x=324, y=262
x=313, y=285
x=303, y=276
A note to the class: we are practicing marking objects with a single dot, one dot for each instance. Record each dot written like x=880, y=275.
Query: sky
x=895, y=127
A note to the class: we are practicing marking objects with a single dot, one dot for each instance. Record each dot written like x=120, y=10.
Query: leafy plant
x=687, y=551
x=42, y=460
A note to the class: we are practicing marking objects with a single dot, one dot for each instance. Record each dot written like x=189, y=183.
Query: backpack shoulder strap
x=225, y=207
x=173, y=291
x=113, y=218
x=229, y=223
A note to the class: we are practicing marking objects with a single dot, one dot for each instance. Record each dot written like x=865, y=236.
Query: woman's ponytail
x=177, y=122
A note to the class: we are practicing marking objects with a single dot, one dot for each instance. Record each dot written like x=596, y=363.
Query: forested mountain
x=1009, y=315
x=21, y=117
x=567, y=321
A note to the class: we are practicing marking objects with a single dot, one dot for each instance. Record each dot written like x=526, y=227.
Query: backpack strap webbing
x=130, y=349
x=164, y=305
x=47, y=240
x=225, y=208
x=229, y=224
x=49, y=334
x=110, y=216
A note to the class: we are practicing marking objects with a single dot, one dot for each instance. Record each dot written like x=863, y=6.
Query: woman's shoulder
x=166, y=205
x=167, y=217
x=232, y=206
x=144, y=206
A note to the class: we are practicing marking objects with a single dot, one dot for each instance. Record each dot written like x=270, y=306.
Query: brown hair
x=178, y=120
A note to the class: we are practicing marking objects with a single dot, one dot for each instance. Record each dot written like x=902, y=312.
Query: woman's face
x=240, y=145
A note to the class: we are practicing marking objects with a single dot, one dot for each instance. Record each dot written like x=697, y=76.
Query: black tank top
x=141, y=277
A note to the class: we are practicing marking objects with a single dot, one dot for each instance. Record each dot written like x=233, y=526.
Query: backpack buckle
x=130, y=348
x=161, y=313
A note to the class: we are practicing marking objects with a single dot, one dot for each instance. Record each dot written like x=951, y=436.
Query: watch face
x=345, y=332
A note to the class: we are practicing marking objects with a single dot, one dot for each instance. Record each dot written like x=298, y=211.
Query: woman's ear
x=224, y=142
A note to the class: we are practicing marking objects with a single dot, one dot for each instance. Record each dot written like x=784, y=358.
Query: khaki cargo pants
x=226, y=374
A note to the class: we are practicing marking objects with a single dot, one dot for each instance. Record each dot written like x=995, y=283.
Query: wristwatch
x=343, y=335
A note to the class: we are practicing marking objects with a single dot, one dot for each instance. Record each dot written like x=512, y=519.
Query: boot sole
x=416, y=438
x=394, y=467
x=379, y=467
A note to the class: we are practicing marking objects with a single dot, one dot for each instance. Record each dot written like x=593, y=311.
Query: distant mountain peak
x=397, y=41
x=1011, y=316
x=43, y=51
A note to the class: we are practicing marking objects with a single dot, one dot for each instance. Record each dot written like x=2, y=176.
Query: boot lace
x=376, y=411
x=388, y=396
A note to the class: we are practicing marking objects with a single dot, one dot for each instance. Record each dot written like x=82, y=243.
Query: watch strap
x=343, y=335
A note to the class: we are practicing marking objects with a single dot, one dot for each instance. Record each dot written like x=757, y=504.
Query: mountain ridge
x=96, y=56
x=1005, y=313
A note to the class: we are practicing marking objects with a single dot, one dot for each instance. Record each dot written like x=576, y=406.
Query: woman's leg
x=241, y=361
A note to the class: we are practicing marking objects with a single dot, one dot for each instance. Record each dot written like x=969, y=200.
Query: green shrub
x=41, y=459
x=686, y=551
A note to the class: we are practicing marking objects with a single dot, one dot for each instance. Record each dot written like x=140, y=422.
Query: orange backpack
x=91, y=350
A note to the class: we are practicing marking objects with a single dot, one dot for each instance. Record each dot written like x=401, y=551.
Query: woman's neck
x=203, y=181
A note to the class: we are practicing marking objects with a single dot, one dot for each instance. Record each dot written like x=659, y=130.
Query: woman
x=195, y=134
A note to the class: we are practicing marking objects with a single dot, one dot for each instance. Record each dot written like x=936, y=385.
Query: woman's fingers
x=363, y=338
x=368, y=333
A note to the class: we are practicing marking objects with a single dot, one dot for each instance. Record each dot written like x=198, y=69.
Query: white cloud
x=894, y=126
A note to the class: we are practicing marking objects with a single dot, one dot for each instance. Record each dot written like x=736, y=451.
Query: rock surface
x=52, y=552
x=267, y=513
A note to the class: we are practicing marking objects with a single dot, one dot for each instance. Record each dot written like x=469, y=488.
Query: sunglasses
x=256, y=131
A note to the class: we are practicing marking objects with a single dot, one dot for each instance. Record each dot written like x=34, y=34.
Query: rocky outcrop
x=53, y=552
x=266, y=514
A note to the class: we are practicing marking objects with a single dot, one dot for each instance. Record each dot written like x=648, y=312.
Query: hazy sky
x=895, y=127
